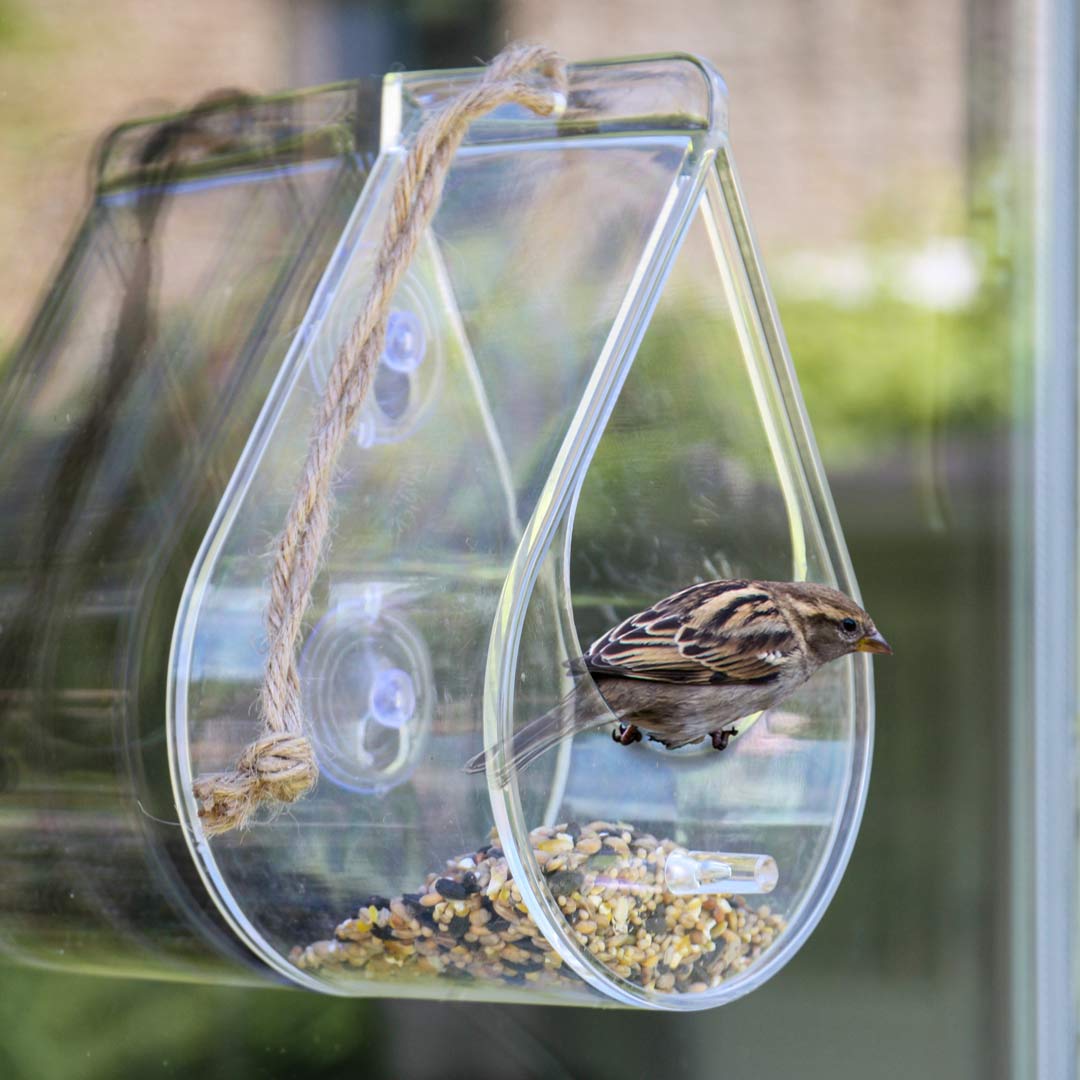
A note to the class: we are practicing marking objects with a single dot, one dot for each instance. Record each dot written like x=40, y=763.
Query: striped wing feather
x=719, y=631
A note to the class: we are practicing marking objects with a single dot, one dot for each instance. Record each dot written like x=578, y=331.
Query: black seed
x=468, y=883
x=700, y=972
x=656, y=924
x=530, y=964
x=384, y=933
x=573, y=830
x=412, y=901
x=565, y=882
x=458, y=925
x=449, y=889
x=517, y=978
x=497, y=924
x=495, y=853
x=376, y=902
x=486, y=903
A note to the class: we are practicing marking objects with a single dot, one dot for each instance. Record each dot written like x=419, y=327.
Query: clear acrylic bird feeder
x=585, y=403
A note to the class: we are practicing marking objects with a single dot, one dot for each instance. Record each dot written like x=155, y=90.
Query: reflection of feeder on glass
x=366, y=683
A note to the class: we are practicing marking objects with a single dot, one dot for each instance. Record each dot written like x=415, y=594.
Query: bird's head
x=832, y=623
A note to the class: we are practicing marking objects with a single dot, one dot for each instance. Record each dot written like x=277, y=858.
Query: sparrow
x=694, y=664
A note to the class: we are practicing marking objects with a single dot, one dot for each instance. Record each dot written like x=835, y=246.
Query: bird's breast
x=660, y=706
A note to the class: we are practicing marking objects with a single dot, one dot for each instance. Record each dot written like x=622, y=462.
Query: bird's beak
x=874, y=643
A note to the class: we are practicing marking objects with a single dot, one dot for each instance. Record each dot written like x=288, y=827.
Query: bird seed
x=469, y=923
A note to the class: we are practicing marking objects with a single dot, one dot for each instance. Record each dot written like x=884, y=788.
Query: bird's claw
x=625, y=734
x=720, y=739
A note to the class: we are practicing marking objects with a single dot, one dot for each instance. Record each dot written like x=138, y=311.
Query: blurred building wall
x=795, y=70
x=70, y=70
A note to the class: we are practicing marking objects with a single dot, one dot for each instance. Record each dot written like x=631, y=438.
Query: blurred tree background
x=879, y=157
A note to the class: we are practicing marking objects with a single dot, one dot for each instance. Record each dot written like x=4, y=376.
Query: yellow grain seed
x=557, y=844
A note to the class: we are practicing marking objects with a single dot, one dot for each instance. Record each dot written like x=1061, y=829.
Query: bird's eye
x=849, y=625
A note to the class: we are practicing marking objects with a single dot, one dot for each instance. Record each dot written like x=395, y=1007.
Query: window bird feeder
x=584, y=403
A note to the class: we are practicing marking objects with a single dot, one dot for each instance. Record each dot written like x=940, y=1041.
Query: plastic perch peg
x=698, y=873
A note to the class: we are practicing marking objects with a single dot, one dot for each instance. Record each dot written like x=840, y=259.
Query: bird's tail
x=578, y=711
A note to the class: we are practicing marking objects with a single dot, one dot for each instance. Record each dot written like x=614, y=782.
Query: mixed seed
x=470, y=922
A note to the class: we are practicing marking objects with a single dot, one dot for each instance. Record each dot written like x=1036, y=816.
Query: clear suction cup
x=406, y=342
x=366, y=680
x=411, y=366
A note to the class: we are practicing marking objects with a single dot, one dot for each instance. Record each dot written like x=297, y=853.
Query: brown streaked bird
x=694, y=664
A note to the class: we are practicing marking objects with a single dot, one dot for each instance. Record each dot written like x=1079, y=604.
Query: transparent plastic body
x=587, y=404
x=122, y=415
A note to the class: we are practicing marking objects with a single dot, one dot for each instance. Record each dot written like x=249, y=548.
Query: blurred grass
x=98, y=1029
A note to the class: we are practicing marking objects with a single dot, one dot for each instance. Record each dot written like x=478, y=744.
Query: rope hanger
x=279, y=766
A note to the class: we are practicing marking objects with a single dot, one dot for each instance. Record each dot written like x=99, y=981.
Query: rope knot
x=279, y=761
x=278, y=767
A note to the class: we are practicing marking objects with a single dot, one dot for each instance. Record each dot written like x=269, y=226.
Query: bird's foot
x=625, y=734
x=720, y=739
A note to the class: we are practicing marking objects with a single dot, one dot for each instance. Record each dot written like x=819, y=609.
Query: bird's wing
x=718, y=632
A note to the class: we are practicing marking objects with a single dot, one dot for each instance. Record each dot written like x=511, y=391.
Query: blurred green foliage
x=73, y=1026
x=12, y=23
x=873, y=373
